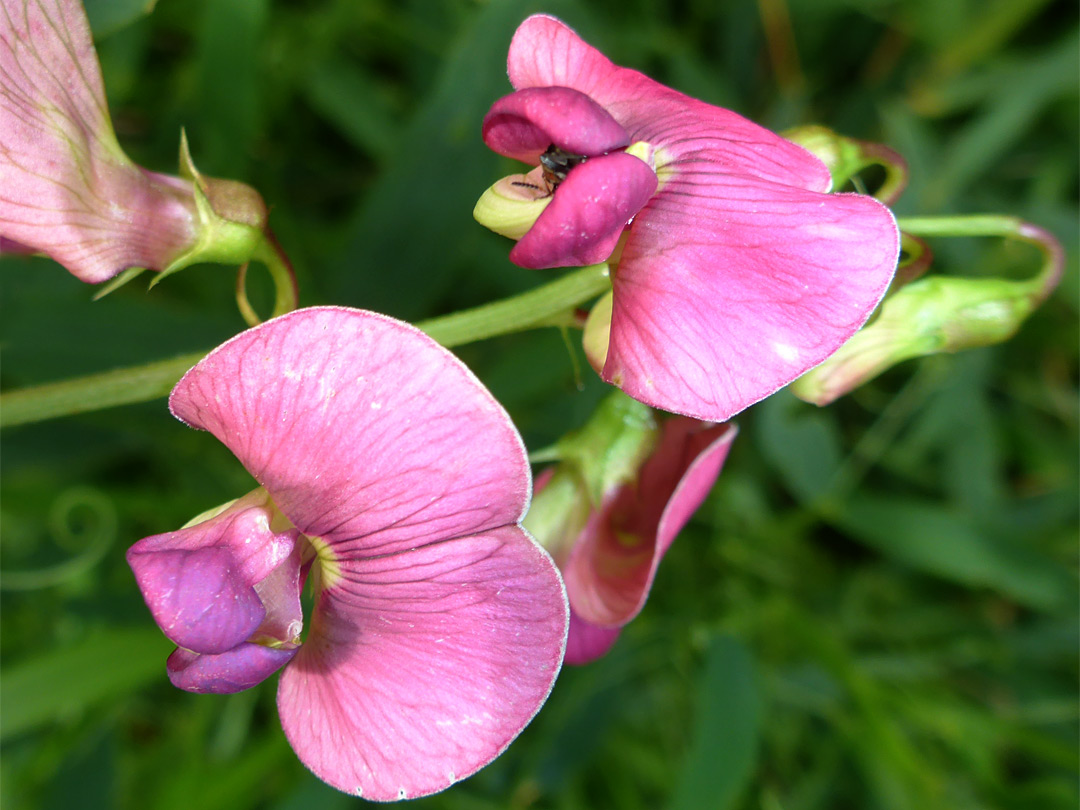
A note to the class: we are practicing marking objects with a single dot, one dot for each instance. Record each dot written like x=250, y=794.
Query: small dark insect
x=557, y=164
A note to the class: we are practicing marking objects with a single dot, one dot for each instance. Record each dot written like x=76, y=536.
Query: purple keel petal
x=422, y=666
x=237, y=669
x=587, y=642
x=198, y=598
x=729, y=289
x=546, y=52
x=588, y=213
x=524, y=124
x=366, y=432
x=611, y=568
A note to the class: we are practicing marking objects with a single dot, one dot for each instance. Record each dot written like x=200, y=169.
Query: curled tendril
x=80, y=517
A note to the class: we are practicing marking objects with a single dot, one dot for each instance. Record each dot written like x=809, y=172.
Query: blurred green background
x=875, y=608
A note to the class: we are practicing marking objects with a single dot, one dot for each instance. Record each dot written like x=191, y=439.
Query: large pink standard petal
x=612, y=566
x=441, y=625
x=729, y=289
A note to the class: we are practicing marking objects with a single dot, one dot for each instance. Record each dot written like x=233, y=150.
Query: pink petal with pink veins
x=365, y=432
x=423, y=665
x=524, y=124
x=729, y=289
x=588, y=213
x=612, y=566
x=66, y=189
x=546, y=52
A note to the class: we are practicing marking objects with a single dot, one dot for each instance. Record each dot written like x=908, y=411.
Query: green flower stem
x=542, y=306
x=996, y=225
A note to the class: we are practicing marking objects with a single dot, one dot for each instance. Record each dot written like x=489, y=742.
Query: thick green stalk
x=543, y=306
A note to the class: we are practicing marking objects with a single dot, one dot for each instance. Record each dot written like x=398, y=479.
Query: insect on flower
x=557, y=163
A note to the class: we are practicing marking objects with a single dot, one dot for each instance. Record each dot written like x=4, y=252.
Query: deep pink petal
x=590, y=209
x=546, y=52
x=611, y=568
x=366, y=432
x=728, y=290
x=524, y=124
x=422, y=666
x=198, y=598
x=587, y=642
x=204, y=584
x=66, y=189
x=235, y=670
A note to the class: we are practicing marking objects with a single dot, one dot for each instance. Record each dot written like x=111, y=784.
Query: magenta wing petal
x=201, y=582
x=586, y=217
x=365, y=432
x=587, y=642
x=235, y=670
x=546, y=52
x=422, y=666
x=524, y=124
x=612, y=566
x=728, y=290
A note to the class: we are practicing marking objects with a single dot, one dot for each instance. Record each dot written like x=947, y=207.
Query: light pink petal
x=524, y=124
x=545, y=52
x=235, y=670
x=590, y=209
x=66, y=189
x=728, y=290
x=366, y=432
x=611, y=568
x=422, y=666
x=587, y=642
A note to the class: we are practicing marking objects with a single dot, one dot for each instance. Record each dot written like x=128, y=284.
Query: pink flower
x=391, y=473
x=611, y=510
x=738, y=271
x=66, y=187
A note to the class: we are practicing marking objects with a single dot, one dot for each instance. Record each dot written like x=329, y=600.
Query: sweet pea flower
x=733, y=270
x=611, y=509
x=66, y=187
x=393, y=481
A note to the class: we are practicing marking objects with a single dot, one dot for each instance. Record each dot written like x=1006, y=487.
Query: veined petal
x=546, y=52
x=587, y=214
x=365, y=432
x=235, y=670
x=586, y=642
x=611, y=569
x=422, y=666
x=728, y=290
x=524, y=124
x=66, y=188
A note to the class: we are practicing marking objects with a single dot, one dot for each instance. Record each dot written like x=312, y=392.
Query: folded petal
x=611, y=568
x=201, y=582
x=365, y=432
x=235, y=670
x=586, y=642
x=524, y=124
x=546, y=52
x=588, y=213
x=728, y=290
x=198, y=598
x=422, y=666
